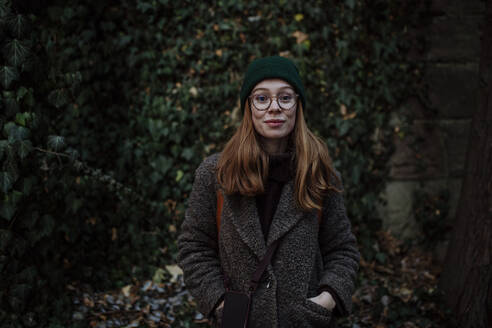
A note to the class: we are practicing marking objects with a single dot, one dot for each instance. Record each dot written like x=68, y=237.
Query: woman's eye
x=285, y=98
x=261, y=98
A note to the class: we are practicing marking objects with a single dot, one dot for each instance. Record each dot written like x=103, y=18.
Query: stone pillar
x=434, y=157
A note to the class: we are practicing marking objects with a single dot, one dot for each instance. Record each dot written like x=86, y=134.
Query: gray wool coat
x=309, y=255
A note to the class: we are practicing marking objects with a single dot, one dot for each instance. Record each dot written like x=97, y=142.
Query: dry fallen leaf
x=126, y=290
x=91, y=220
x=88, y=302
x=343, y=109
x=175, y=271
x=159, y=276
x=405, y=294
x=285, y=53
x=300, y=37
x=194, y=91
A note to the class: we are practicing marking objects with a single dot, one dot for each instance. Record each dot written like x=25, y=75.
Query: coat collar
x=246, y=220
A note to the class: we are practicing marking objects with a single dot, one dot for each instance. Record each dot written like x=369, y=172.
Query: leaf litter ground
x=399, y=290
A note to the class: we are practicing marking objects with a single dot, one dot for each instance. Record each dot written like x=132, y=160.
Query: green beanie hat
x=271, y=67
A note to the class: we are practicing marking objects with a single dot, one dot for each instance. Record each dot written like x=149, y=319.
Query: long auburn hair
x=243, y=164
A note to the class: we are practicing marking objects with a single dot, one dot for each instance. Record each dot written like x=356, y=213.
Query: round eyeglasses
x=262, y=101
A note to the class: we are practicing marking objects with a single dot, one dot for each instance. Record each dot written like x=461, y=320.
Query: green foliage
x=144, y=90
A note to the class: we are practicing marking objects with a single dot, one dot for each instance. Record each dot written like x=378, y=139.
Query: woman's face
x=274, y=122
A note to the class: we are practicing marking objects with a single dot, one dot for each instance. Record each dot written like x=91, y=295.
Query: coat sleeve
x=339, y=251
x=198, y=244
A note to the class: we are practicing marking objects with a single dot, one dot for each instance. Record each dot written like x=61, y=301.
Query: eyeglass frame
x=271, y=101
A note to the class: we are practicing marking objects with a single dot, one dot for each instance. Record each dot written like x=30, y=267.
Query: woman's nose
x=274, y=105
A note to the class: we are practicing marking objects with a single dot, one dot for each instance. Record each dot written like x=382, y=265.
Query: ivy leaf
x=21, y=92
x=4, y=8
x=20, y=119
x=4, y=144
x=343, y=128
x=15, y=132
x=356, y=174
x=28, y=221
x=7, y=75
x=29, y=274
x=179, y=175
x=13, y=170
x=5, y=238
x=15, y=51
x=24, y=118
x=56, y=142
x=11, y=106
x=7, y=211
x=18, y=25
x=25, y=147
x=187, y=154
x=350, y=3
x=5, y=181
x=73, y=153
x=27, y=184
x=18, y=295
x=381, y=258
x=58, y=98
x=16, y=196
x=8, y=127
x=47, y=225
x=143, y=6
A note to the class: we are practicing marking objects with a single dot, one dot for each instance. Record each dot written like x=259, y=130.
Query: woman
x=276, y=179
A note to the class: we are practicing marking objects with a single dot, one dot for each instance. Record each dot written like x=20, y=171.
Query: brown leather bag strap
x=255, y=279
x=220, y=202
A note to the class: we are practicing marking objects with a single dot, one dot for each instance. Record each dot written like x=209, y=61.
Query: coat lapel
x=247, y=222
x=286, y=215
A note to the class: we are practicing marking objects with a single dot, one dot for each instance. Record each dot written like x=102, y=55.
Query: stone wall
x=434, y=158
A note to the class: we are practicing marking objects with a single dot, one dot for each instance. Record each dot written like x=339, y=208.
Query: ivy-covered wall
x=107, y=108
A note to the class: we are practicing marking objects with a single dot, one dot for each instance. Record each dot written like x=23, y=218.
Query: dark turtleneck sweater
x=279, y=172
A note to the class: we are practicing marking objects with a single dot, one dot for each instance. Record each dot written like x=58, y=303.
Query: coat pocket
x=308, y=314
x=316, y=315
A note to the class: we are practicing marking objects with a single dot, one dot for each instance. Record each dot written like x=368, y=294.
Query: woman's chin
x=274, y=136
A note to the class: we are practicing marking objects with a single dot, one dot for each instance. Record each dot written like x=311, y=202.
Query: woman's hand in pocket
x=218, y=313
x=325, y=300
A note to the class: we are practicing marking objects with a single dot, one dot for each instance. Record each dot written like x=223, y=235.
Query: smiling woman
x=273, y=120
x=284, y=254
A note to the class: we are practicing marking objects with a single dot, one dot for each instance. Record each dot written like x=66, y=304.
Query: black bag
x=236, y=309
x=235, y=313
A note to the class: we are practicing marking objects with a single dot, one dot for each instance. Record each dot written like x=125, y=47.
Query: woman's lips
x=274, y=123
